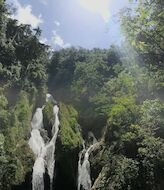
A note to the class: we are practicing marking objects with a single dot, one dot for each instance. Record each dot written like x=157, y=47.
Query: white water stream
x=84, y=176
x=44, y=153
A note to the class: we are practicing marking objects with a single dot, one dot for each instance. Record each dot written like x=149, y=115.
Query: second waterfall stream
x=84, y=176
x=44, y=151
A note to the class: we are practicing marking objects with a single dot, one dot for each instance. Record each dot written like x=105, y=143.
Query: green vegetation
x=117, y=92
x=16, y=158
x=48, y=117
x=69, y=133
x=23, y=58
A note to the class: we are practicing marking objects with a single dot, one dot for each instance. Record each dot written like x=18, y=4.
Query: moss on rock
x=68, y=147
x=48, y=117
x=69, y=132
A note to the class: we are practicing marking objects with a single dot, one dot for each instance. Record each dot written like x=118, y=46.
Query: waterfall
x=36, y=142
x=37, y=145
x=37, y=120
x=84, y=178
x=44, y=152
x=38, y=174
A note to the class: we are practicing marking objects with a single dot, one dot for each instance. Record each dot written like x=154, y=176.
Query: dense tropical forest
x=117, y=93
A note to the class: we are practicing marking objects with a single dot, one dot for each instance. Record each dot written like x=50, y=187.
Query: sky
x=79, y=23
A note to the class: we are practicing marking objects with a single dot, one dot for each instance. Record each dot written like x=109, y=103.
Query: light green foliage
x=143, y=27
x=152, y=112
x=22, y=113
x=3, y=102
x=1, y=2
x=48, y=113
x=48, y=117
x=15, y=155
x=69, y=131
x=123, y=112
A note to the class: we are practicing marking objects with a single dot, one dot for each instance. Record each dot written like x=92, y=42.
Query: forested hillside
x=117, y=93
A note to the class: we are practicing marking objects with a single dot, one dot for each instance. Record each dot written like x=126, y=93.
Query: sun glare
x=97, y=6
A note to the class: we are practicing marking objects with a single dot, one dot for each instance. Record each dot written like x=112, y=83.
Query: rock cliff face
x=97, y=161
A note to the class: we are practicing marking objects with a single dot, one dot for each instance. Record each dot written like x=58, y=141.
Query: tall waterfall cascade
x=84, y=176
x=44, y=151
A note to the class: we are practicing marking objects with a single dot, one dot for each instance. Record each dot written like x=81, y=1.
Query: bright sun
x=98, y=6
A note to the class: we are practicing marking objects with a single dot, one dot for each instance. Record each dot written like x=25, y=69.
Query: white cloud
x=43, y=40
x=24, y=15
x=97, y=6
x=58, y=40
x=57, y=23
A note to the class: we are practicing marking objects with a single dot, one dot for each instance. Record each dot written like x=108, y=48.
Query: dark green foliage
x=77, y=76
x=23, y=59
x=23, y=65
x=63, y=65
x=123, y=173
